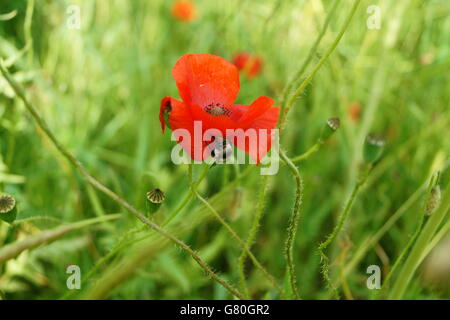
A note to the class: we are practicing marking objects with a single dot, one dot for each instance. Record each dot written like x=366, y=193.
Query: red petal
x=255, y=110
x=203, y=78
x=181, y=118
x=213, y=122
x=268, y=121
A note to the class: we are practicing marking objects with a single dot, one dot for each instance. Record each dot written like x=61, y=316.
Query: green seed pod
x=155, y=198
x=434, y=200
x=331, y=126
x=373, y=148
x=8, y=210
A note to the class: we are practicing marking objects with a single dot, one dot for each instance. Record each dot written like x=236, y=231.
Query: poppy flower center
x=217, y=109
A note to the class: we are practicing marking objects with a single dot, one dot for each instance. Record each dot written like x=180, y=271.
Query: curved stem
x=12, y=250
x=416, y=255
x=99, y=186
x=121, y=243
x=297, y=77
x=309, y=152
x=252, y=235
x=285, y=108
x=402, y=255
x=342, y=219
x=293, y=224
x=234, y=235
x=185, y=200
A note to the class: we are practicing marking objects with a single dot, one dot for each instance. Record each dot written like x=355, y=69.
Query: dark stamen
x=216, y=109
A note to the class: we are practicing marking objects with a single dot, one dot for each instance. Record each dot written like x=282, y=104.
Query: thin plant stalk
x=122, y=243
x=308, y=153
x=372, y=240
x=252, y=234
x=241, y=243
x=406, y=249
x=186, y=199
x=298, y=76
x=14, y=249
x=108, y=192
x=325, y=263
x=287, y=106
x=416, y=255
x=293, y=224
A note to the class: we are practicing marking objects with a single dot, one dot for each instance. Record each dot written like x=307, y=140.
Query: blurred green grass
x=99, y=89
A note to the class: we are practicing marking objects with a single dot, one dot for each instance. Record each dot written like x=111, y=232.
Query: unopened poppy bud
x=155, y=198
x=434, y=200
x=373, y=147
x=330, y=128
x=8, y=210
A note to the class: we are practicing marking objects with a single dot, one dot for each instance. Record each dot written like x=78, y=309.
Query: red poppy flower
x=208, y=86
x=250, y=64
x=183, y=10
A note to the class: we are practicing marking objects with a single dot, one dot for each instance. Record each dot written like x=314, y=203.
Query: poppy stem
x=285, y=107
x=125, y=242
x=424, y=217
x=186, y=198
x=241, y=243
x=298, y=76
x=253, y=232
x=325, y=261
x=102, y=188
x=316, y=147
x=293, y=223
x=417, y=255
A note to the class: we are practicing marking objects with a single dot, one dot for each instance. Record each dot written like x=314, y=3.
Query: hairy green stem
x=186, y=199
x=309, y=152
x=241, y=243
x=99, y=186
x=416, y=255
x=325, y=264
x=121, y=243
x=252, y=234
x=406, y=249
x=293, y=224
x=298, y=76
x=14, y=249
x=287, y=106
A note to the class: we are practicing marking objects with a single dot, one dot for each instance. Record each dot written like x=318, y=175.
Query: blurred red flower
x=250, y=65
x=208, y=86
x=184, y=10
x=354, y=111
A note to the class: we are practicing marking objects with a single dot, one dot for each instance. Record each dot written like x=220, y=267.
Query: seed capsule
x=155, y=198
x=8, y=210
x=331, y=126
x=373, y=147
x=434, y=200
